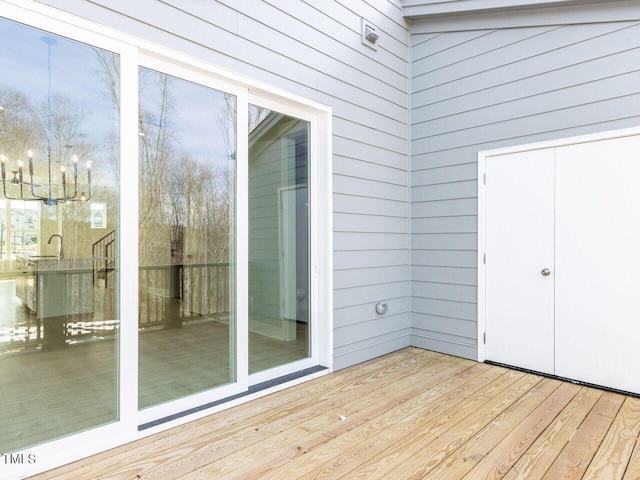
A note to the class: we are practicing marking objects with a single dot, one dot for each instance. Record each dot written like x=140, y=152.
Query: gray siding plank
x=354, y=241
x=461, y=224
x=453, y=275
x=366, y=312
x=444, y=208
x=370, y=171
x=348, y=203
x=344, y=147
x=434, y=176
x=347, y=222
x=445, y=191
x=444, y=258
x=375, y=135
x=371, y=294
x=421, y=160
x=364, y=187
x=378, y=327
x=369, y=276
x=453, y=326
x=362, y=259
x=445, y=308
x=445, y=241
x=445, y=291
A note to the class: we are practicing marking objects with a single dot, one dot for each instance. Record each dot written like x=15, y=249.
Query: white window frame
x=133, y=52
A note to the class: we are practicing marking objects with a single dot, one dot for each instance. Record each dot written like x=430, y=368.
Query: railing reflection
x=172, y=293
x=169, y=295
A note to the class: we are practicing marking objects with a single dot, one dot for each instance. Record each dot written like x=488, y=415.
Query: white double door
x=562, y=238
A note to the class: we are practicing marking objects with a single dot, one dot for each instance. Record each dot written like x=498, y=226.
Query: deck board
x=543, y=452
x=613, y=456
x=583, y=445
x=410, y=414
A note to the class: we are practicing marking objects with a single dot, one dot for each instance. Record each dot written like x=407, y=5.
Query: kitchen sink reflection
x=52, y=287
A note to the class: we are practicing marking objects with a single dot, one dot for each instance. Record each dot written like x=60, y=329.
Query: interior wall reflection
x=59, y=209
x=279, y=329
x=186, y=238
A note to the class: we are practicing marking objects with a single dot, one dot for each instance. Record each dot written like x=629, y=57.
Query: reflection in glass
x=59, y=146
x=186, y=235
x=279, y=330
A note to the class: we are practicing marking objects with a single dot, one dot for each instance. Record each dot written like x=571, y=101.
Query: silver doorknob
x=546, y=272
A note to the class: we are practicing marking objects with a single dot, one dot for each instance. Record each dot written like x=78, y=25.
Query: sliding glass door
x=159, y=238
x=279, y=282
x=59, y=226
x=186, y=238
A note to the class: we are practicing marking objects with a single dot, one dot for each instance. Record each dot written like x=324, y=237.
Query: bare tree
x=156, y=152
x=20, y=128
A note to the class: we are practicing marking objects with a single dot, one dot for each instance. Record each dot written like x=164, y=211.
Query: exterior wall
x=314, y=49
x=473, y=88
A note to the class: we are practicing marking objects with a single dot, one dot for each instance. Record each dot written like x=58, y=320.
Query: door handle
x=545, y=272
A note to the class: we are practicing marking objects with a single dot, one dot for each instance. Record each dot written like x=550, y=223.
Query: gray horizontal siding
x=349, y=203
x=491, y=88
x=347, y=222
x=372, y=276
x=445, y=241
x=349, y=260
x=344, y=316
x=361, y=150
x=369, y=294
x=314, y=49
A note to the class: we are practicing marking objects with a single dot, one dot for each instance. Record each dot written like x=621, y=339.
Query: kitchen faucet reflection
x=61, y=254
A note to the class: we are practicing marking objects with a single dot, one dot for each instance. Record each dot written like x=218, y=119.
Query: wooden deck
x=409, y=415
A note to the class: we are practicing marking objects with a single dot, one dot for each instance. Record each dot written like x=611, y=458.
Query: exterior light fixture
x=370, y=34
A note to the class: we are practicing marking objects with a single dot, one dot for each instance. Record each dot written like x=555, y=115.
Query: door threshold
x=564, y=379
x=252, y=389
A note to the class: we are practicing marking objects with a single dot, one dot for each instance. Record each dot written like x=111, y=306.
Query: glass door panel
x=186, y=238
x=59, y=211
x=279, y=329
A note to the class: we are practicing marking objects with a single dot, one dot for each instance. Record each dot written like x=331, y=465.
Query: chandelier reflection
x=46, y=193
